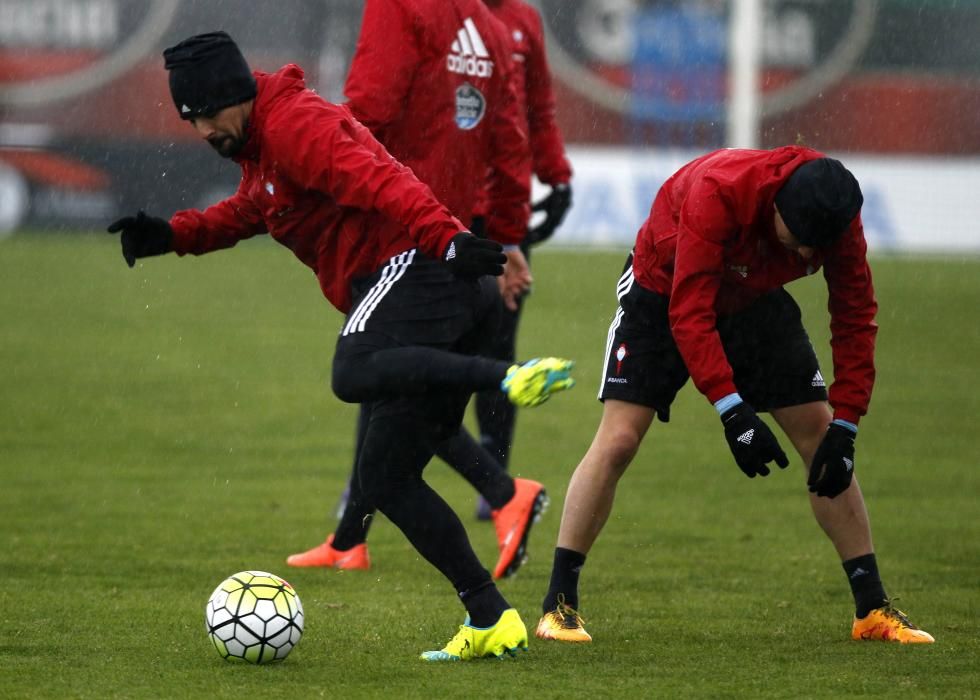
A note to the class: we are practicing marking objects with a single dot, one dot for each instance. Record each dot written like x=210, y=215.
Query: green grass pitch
x=166, y=426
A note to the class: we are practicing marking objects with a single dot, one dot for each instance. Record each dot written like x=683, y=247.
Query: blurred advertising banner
x=892, y=76
x=911, y=203
x=87, y=128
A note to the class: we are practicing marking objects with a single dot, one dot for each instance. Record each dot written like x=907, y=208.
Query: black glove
x=833, y=462
x=751, y=441
x=555, y=206
x=469, y=256
x=143, y=236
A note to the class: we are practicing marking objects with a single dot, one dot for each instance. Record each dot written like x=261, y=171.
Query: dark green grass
x=164, y=427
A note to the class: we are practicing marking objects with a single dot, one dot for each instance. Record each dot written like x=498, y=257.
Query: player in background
x=545, y=157
x=702, y=296
x=434, y=82
x=388, y=254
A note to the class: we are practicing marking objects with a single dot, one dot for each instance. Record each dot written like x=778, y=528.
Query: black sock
x=484, y=604
x=564, y=579
x=862, y=574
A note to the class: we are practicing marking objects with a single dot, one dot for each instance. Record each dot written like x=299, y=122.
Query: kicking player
x=390, y=255
x=702, y=296
x=434, y=81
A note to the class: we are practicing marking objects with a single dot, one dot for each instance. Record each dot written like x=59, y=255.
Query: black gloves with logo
x=555, y=206
x=751, y=441
x=833, y=463
x=469, y=256
x=143, y=236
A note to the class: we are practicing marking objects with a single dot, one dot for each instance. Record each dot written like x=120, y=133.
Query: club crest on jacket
x=470, y=106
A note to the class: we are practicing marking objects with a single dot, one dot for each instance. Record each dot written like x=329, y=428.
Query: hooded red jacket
x=710, y=245
x=433, y=80
x=323, y=186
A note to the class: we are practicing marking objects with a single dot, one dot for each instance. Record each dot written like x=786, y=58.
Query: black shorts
x=770, y=353
x=415, y=300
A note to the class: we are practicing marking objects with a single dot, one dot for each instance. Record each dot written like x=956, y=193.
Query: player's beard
x=228, y=145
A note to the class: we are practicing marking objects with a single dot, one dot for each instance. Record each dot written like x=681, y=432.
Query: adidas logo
x=858, y=572
x=185, y=109
x=469, y=55
x=451, y=253
x=746, y=437
x=849, y=463
x=818, y=380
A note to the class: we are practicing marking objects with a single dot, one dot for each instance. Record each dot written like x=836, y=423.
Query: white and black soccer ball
x=254, y=616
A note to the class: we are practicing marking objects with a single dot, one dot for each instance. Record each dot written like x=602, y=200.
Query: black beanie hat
x=819, y=201
x=208, y=73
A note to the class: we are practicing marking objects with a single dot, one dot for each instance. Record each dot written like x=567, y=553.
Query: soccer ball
x=254, y=616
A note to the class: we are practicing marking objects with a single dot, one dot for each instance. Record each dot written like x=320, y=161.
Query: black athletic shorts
x=770, y=353
x=415, y=300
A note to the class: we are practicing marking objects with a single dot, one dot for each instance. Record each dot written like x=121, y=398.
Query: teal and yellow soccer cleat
x=504, y=639
x=533, y=382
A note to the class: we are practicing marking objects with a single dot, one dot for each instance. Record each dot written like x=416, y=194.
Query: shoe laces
x=890, y=611
x=570, y=618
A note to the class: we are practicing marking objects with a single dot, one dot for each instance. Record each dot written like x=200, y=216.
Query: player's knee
x=618, y=446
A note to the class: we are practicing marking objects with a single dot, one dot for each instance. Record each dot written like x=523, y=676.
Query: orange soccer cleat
x=325, y=555
x=513, y=524
x=563, y=624
x=889, y=624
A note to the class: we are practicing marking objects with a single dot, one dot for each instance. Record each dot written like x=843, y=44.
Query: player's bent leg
x=805, y=425
x=844, y=519
x=888, y=624
x=502, y=640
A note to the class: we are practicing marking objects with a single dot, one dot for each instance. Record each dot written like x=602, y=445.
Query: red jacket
x=432, y=80
x=323, y=186
x=710, y=245
x=536, y=99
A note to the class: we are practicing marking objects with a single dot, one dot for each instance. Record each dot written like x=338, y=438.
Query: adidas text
x=481, y=68
x=469, y=55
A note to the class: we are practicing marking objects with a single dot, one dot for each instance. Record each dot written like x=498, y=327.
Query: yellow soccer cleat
x=563, y=624
x=889, y=624
x=533, y=382
x=504, y=639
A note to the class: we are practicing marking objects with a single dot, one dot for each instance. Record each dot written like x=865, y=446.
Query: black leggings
x=413, y=397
